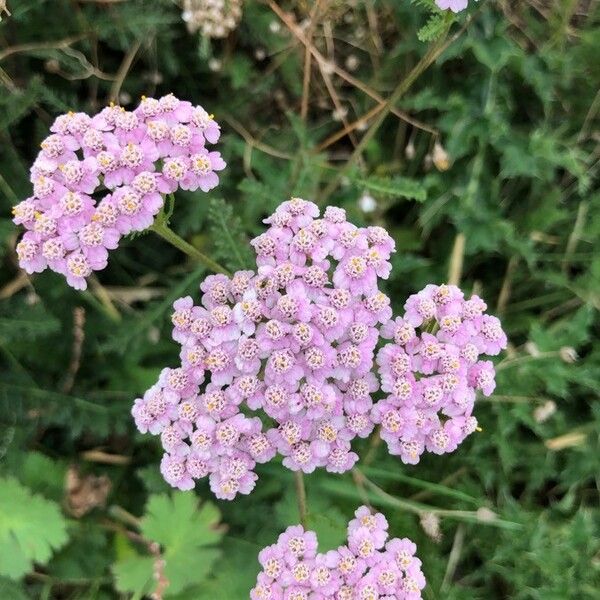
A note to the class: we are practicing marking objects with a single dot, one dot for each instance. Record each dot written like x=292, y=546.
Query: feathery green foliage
x=511, y=208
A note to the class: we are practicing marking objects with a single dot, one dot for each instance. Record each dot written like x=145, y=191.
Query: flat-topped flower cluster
x=368, y=566
x=296, y=341
x=99, y=178
x=431, y=371
x=453, y=5
x=282, y=361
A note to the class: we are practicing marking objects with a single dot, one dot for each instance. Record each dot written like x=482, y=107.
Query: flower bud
x=440, y=157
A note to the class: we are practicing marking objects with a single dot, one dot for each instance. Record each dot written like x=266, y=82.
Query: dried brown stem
x=128, y=59
x=76, y=348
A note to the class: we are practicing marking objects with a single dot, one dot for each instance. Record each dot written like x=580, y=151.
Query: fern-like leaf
x=394, y=187
x=231, y=245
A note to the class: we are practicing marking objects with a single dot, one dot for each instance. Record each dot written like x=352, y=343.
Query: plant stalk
x=164, y=231
x=301, y=497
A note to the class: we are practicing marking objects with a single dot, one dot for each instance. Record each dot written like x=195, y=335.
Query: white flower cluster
x=213, y=18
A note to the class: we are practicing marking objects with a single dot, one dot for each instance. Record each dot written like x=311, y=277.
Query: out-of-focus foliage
x=31, y=527
x=484, y=167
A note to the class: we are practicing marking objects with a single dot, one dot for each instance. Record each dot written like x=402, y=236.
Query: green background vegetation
x=512, y=98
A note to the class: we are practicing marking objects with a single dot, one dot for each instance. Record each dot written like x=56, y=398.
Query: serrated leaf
x=134, y=574
x=17, y=105
x=173, y=519
x=31, y=529
x=186, y=533
x=43, y=474
x=233, y=575
x=395, y=187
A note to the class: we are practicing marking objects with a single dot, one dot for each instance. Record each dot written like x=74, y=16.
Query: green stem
x=301, y=496
x=162, y=229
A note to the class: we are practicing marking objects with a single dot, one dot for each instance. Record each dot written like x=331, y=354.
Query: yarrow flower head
x=99, y=178
x=432, y=369
x=294, y=341
x=368, y=567
x=453, y=5
x=213, y=18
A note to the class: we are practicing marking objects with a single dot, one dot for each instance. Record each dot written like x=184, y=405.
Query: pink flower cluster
x=295, y=341
x=99, y=178
x=368, y=567
x=454, y=5
x=432, y=375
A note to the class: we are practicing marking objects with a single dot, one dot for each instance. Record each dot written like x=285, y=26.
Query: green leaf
x=43, y=475
x=233, y=575
x=18, y=321
x=172, y=520
x=433, y=28
x=11, y=589
x=31, y=528
x=395, y=187
x=17, y=105
x=230, y=242
x=6, y=229
x=187, y=535
x=135, y=329
x=134, y=574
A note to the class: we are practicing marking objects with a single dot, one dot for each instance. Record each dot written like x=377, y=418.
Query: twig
x=323, y=64
x=505, y=290
x=105, y=299
x=76, y=348
x=123, y=70
x=373, y=27
x=307, y=60
x=321, y=60
x=252, y=141
x=456, y=259
x=32, y=47
x=453, y=559
x=575, y=235
x=12, y=287
x=90, y=69
x=338, y=135
x=99, y=456
x=162, y=583
x=589, y=117
x=429, y=58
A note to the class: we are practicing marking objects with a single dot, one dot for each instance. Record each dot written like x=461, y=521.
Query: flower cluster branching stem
x=301, y=498
x=161, y=229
